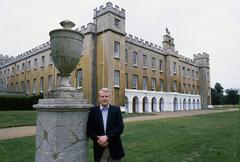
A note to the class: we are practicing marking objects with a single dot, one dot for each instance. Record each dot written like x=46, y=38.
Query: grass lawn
x=17, y=118
x=204, y=138
x=23, y=118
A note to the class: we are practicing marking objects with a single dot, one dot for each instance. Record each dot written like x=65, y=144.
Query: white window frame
x=145, y=83
x=34, y=86
x=79, y=78
x=42, y=61
x=135, y=82
x=116, y=78
x=135, y=58
x=116, y=49
x=153, y=84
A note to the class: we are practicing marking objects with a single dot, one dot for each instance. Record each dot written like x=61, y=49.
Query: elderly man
x=104, y=127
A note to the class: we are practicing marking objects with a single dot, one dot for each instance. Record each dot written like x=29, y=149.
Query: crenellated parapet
x=4, y=59
x=109, y=8
x=200, y=56
x=188, y=60
x=90, y=28
x=32, y=52
x=145, y=44
x=148, y=45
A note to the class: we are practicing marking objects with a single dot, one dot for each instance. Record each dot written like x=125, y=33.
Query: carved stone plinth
x=61, y=127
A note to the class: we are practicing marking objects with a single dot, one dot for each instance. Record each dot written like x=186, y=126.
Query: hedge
x=18, y=102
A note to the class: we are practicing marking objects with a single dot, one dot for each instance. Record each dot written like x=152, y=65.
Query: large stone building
x=142, y=76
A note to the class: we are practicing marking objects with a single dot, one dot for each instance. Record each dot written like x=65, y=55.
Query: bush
x=18, y=102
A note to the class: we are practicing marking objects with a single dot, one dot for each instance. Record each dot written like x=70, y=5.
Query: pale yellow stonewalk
x=16, y=132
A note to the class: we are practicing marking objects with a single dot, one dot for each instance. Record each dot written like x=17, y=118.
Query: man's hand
x=102, y=141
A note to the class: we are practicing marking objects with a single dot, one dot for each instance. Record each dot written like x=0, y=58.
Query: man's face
x=104, y=98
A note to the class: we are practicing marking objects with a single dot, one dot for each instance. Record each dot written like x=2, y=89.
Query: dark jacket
x=113, y=131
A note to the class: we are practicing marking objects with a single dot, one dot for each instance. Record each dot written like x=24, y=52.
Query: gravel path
x=16, y=132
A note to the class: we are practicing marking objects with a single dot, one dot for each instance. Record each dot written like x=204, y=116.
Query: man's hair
x=106, y=90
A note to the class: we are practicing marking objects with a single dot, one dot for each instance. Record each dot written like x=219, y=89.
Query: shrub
x=18, y=102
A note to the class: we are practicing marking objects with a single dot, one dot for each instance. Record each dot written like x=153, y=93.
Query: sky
x=197, y=26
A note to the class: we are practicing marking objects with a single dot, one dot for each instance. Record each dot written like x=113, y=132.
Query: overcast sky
x=211, y=26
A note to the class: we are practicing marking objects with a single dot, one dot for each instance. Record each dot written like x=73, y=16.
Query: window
x=184, y=87
x=12, y=72
x=193, y=74
x=28, y=86
x=22, y=86
x=135, y=82
x=41, y=85
x=18, y=70
x=188, y=73
x=153, y=63
x=16, y=87
x=145, y=61
x=23, y=67
x=174, y=67
x=126, y=80
x=161, y=65
x=175, y=86
x=79, y=78
x=50, y=82
x=59, y=79
x=153, y=87
x=116, y=78
x=144, y=83
x=35, y=64
x=184, y=72
x=34, y=86
x=193, y=89
x=8, y=71
x=42, y=61
x=189, y=88
x=161, y=85
x=196, y=75
x=116, y=49
x=126, y=55
x=50, y=59
x=29, y=66
x=135, y=58
x=117, y=23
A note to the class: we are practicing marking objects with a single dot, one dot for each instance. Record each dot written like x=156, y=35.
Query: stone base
x=61, y=127
x=61, y=137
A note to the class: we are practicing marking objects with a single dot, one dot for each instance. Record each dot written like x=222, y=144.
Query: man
x=104, y=127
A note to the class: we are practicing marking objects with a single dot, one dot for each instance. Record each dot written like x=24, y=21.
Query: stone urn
x=66, y=48
x=62, y=115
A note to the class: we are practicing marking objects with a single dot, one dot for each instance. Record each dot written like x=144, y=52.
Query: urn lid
x=66, y=24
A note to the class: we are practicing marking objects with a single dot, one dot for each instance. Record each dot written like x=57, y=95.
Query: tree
x=232, y=96
x=217, y=94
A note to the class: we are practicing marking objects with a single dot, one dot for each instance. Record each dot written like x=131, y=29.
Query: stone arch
x=135, y=105
x=145, y=104
x=198, y=104
x=184, y=104
x=154, y=105
x=126, y=104
x=161, y=104
x=194, y=104
x=189, y=104
x=175, y=104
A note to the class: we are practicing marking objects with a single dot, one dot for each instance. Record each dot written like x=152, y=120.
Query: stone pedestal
x=61, y=127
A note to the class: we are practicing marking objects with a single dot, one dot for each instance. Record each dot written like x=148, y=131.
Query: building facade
x=142, y=77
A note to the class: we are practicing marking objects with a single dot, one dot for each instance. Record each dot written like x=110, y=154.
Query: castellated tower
x=204, y=78
x=170, y=59
x=110, y=49
x=168, y=42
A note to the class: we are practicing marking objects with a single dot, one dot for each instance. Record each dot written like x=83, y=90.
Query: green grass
x=23, y=118
x=17, y=118
x=204, y=138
